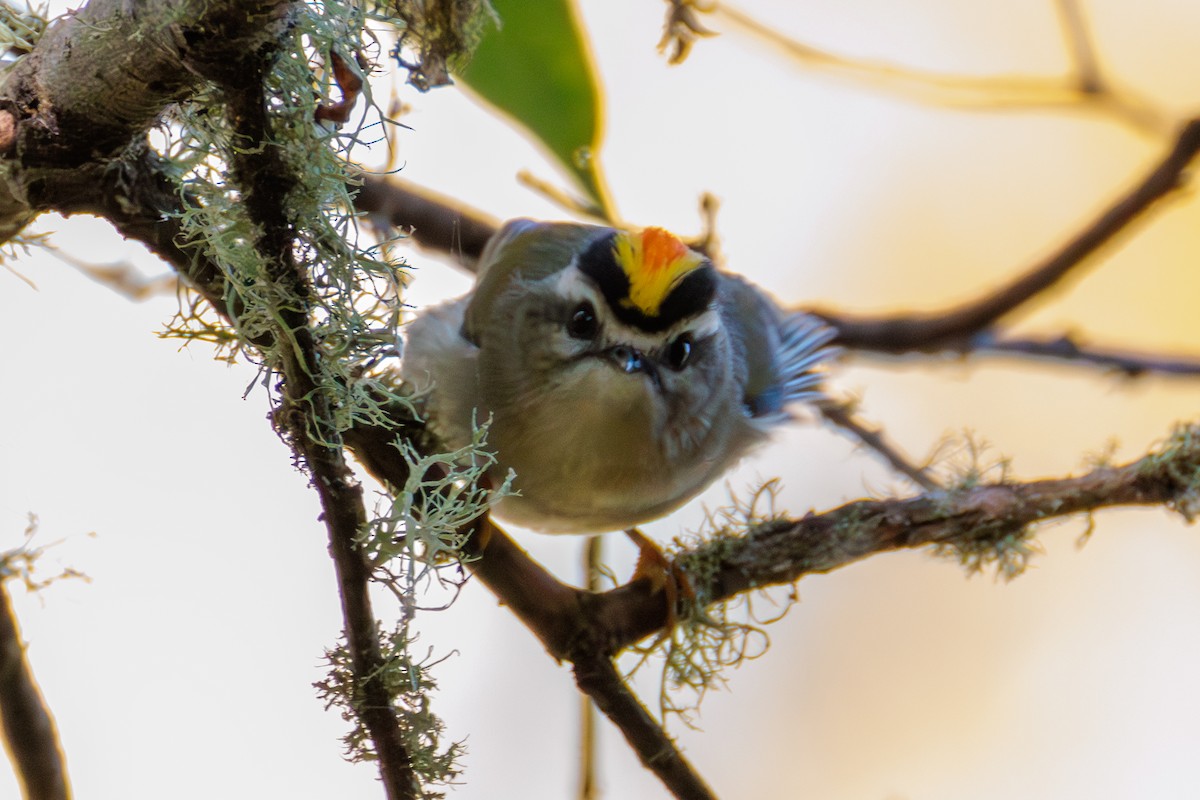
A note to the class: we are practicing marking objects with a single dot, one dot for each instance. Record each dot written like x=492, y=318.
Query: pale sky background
x=183, y=669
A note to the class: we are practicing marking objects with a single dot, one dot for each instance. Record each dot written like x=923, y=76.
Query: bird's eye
x=679, y=351
x=583, y=324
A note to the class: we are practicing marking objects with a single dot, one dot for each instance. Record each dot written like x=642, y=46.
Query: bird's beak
x=629, y=359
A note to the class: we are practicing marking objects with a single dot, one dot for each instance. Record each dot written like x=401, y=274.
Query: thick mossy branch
x=270, y=176
x=252, y=207
x=100, y=77
x=987, y=524
x=321, y=314
x=983, y=523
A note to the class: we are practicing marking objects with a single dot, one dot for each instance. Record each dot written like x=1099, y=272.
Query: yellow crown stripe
x=655, y=261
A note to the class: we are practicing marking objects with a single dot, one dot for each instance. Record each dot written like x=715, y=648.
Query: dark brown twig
x=565, y=620
x=953, y=329
x=432, y=221
x=841, y=416
x=305, y=419
x=598, y=679
x=593, y=560
x=1066, y=348
x=29, y=730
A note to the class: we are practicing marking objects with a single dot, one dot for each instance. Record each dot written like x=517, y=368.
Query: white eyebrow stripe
x=574, y=285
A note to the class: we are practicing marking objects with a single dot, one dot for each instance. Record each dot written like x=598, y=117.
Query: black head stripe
x=599, y=264
x=691, y=296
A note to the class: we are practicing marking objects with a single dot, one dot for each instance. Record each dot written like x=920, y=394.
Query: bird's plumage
x=610, y=412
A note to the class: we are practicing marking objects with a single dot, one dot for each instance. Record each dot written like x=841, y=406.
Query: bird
x=619, y=372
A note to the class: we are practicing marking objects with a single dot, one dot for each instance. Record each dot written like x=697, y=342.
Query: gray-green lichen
x=21, y=29
x=409, y=682
x=997, y=546
x=438, y=37
x=422, y=525
x=710, y=637
x=1178, y=460
x=349, y=300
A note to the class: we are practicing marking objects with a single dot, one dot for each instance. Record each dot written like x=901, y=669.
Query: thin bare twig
x=952, y=329
x=29, y=731
x=1004, y=93
x=1067, y=348
x=1079, y=44
x=123, y=277
x=433, y=221
x=840, y=414
x=305, y=418
x=588, y=741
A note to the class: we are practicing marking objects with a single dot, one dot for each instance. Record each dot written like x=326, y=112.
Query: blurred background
x=184, y=666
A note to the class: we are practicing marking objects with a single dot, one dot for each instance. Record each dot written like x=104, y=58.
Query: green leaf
x=536, y=69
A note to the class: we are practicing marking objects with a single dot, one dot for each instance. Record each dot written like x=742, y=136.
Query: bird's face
x=623, y=349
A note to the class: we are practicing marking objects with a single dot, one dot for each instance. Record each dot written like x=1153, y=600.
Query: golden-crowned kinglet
x=622, y=372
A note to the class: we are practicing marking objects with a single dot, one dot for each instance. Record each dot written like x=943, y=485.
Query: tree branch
x=1067, y=348
x=28, y=728
x=1082, y=89
x=977, y=520
x=598, y=678
x=563, y=618
x=842, y=416
x=74, y=115
x=983, y=523
x=306, y=419
x=83, y=95
x=952, y=329
x=1079, y=43
x=433, y=221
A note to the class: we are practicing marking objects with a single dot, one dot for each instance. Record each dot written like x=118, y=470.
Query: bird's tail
x=804, y=352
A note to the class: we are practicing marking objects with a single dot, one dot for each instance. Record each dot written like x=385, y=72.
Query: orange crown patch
x=655, y=261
